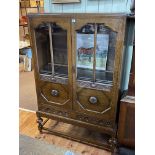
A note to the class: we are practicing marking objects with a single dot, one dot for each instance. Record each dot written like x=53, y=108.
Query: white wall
x=87, y=6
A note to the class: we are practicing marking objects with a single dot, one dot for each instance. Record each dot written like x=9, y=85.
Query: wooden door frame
x=65, y=24
x=120, y=29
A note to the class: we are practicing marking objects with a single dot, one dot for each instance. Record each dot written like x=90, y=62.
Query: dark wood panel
x=62, y=92
x=126, y=127
x=81, y=100
x=65, y=106
x=98, y=109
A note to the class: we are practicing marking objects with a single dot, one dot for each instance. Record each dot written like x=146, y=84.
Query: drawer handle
x=54, y=93
x=93, y=100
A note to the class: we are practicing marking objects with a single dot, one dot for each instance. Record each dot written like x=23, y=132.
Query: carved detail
x=44, y=97
x=54, y=80
x=93, y=110
x=93, y=120
x=84, y=118
x=90, y=28
x=98, y=86
x=56, y=112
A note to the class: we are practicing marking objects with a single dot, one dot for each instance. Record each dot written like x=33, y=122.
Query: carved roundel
x=60, y=99
x=101, y=101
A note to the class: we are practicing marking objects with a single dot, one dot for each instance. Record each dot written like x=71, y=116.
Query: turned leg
x=113, y=142
x=40, y=124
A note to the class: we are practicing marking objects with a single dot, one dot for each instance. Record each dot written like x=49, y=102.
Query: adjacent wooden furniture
x=77, y=61
x=126, y=126
x=126, y=130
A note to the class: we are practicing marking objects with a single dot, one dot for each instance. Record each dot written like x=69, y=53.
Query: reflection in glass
x=86, y=39
x=85, y=47
x=51, y=43
x=43, y=48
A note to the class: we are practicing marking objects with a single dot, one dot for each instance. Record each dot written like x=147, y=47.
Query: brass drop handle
x=54, y=93
x=93, y=100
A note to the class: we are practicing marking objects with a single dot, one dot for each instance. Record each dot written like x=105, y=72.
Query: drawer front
x=77, y=116
x=93, y=102
x=55, y=94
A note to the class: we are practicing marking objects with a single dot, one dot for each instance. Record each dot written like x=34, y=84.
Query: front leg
x=40, y=124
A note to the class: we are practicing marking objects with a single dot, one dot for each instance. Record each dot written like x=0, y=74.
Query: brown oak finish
x=126, y=125
x=126, y=129
x=72, y=105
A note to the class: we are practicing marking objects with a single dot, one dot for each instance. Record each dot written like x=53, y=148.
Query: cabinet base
x=75, y=133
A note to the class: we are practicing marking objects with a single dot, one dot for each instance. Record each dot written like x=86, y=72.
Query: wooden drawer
x=54, y=110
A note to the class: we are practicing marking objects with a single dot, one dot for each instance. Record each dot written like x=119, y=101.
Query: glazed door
x=97, y=44
x=51, y=37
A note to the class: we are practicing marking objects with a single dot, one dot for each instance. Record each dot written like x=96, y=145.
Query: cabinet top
x=78, y=15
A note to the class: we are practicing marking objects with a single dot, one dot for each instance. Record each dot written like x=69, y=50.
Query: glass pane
x=85, y=46
x=102, y=46
x=43, y=48
x=59, y=42
x=51, y=41
x=95, y=51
